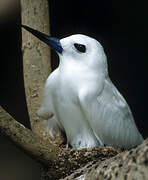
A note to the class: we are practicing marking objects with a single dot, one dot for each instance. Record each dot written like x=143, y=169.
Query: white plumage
x=80, y=99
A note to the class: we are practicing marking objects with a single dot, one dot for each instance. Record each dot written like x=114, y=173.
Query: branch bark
x=128, y=165
x=25, y=139
x=36, y=58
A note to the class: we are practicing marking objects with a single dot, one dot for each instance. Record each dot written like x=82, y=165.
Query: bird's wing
x=110, y=117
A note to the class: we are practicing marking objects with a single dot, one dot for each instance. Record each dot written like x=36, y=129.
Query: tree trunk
x=36, y=58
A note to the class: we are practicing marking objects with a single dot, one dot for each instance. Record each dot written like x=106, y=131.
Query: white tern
x=80, y=99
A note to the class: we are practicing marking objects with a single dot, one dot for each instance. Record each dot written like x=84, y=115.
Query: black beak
x=53, y=42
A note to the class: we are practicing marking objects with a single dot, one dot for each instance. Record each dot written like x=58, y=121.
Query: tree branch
x=25, y=139
x=87, y=163
x=132, y=164
x=36, y=58
x=59, y=162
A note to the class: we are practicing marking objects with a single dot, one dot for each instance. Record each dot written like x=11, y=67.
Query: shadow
x=12, y=92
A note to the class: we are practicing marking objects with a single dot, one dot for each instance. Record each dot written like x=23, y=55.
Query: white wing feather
x=114, y=125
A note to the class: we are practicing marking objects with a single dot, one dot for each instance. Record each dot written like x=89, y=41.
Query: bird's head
x=84, y=50
x=78, y=48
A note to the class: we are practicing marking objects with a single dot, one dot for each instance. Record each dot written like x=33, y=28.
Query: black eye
x=80, y=47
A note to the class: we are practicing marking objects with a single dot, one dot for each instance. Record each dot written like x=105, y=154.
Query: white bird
x=80, y=99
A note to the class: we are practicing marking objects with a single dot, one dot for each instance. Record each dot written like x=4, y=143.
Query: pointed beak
x=53, y=42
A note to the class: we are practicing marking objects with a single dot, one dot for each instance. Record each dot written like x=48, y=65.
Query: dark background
x=121, y=27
